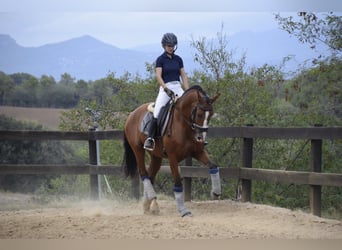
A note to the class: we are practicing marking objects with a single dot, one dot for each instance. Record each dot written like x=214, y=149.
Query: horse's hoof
x=215, y=196
x=146, y=206
x=187, y=214
x=154, y=207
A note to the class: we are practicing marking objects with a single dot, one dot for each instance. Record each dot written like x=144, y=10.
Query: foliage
x=213, y=55
x=316, y=93
x=312, y=29
x=31, y=152
x=113, y=99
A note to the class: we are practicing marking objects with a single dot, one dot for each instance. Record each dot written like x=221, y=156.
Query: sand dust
x=109, y=219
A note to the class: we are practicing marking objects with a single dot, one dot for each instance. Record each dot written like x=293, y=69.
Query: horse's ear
x=201, y=98
x=213, y=99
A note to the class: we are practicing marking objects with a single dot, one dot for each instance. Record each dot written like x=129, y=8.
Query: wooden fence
x=246, y=172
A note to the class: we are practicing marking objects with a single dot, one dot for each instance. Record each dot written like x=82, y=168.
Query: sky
x=131, y=23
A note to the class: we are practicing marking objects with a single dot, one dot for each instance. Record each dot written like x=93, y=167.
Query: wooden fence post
x=187, y=181
x=316, y=166
x=94, y=181
x=247, y=159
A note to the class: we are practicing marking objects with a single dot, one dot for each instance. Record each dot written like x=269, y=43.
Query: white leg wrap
x=215, y=181
x=180, y=204
x=149, y=192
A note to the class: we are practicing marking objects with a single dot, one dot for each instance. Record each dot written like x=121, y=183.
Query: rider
x=169, y=70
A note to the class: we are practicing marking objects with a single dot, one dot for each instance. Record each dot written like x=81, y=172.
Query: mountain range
x=88, y=58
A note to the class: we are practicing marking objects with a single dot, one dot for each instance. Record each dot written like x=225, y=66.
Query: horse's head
x=201, y=113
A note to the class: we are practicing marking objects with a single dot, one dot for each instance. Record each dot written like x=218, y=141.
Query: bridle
x=192, y=120
x=193, y=123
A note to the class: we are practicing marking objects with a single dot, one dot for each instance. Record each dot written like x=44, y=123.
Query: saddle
x=162, y=120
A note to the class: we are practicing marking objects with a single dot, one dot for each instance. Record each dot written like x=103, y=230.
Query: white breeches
x=163, y=98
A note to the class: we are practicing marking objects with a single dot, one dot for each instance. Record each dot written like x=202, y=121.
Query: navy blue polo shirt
x=170, y=67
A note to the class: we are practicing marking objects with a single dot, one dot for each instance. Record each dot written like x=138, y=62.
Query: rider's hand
x=169, y=92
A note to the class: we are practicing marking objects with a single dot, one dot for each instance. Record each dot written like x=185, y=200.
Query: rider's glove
x=169, y=92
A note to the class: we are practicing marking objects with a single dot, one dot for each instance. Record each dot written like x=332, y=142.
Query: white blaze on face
x=205, y=124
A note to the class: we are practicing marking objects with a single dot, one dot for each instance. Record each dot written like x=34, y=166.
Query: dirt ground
x=110, y=219
x=48, y=117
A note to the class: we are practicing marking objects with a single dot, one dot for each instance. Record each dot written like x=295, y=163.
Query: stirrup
x=151, y=144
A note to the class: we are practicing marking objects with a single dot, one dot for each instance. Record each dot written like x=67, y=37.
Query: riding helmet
x=169, y=39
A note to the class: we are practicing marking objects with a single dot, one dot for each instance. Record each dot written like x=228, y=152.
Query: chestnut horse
x=185, y=137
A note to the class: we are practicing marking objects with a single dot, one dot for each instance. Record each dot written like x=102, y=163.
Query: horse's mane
x=197, y=88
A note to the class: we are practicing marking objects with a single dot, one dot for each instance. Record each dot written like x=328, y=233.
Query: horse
x=185, y=136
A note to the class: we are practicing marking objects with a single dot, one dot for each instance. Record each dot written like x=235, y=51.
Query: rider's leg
x=149, y=142
x=161, y=100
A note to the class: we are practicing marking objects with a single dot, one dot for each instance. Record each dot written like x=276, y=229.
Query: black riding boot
x=149, y=142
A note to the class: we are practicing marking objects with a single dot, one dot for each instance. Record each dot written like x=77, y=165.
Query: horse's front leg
x=178, y=189
x=214, y=175
x=215, y=181
x=150, y=197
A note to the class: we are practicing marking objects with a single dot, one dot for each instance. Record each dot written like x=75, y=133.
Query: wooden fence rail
x=246, y=172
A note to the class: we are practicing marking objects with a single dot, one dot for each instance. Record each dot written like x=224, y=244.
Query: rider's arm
x=159, y=77
x=184, y=78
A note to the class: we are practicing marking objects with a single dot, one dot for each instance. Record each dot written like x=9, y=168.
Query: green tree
x=214, y=57
x=47, y=84
x=316, y=94
x=66, y=79
x=30, y=152
x=314, y=29
x=19, y=78
x=6, y=87
x=82, y=89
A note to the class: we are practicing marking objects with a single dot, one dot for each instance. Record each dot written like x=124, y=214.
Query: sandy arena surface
x=109, y=219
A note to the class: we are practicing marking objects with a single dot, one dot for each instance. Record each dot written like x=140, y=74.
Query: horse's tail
x=130, y=162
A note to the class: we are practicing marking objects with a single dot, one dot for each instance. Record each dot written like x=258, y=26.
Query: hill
x=88, y=58
x=84, y=58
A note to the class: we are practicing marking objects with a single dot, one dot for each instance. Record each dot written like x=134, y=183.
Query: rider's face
x=169, y=49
